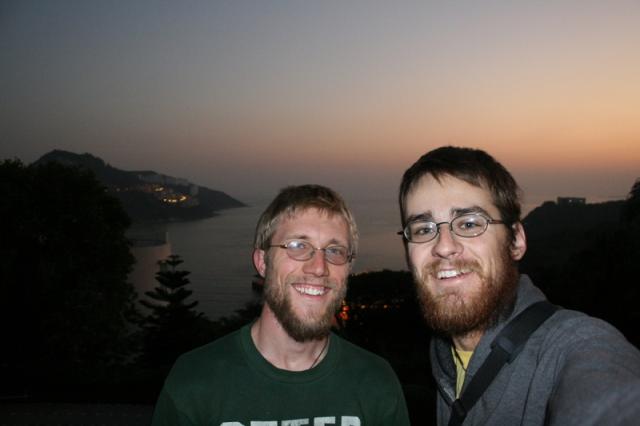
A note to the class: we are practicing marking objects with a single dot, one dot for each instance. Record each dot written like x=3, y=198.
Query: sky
x=250, y=96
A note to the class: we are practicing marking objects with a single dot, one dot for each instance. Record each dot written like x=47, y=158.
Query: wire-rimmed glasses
x=467, y=225
x=303, y=250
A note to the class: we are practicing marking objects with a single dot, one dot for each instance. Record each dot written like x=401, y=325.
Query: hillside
x=555, y=232
x=148, y=196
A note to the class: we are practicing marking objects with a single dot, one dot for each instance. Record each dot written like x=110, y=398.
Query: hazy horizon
x=247, y=97
x=529, y=200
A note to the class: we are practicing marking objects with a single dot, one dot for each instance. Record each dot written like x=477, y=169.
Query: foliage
x=64, y=264
x=173, y=326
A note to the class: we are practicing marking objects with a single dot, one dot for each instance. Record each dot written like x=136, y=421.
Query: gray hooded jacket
x=573, y=370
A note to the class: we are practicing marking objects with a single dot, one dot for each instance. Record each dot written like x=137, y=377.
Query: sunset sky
x=247, y=97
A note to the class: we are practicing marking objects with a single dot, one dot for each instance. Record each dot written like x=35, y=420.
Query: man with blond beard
x=287, y=368
x=502, y=355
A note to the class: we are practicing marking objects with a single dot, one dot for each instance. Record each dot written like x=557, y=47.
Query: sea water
x=218, y=251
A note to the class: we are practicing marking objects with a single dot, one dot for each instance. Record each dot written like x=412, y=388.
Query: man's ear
x=519, y=243
x=259, y=261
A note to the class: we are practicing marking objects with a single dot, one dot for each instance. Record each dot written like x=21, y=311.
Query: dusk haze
x=247, y=97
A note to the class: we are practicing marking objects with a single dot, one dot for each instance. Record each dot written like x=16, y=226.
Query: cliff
x=148, y=196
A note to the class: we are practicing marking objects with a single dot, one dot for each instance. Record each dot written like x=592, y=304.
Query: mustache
x=433, y=268
x=325, y=282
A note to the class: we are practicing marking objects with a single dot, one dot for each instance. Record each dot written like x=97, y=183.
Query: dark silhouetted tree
x=632, y=206
x=590, y=263
x=173, y=326
x=64, y=261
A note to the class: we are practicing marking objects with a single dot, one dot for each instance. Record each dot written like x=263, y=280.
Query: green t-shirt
x=229, y=383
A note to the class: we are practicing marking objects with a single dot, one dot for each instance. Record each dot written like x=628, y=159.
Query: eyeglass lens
x=468, y=225
x=301, y=250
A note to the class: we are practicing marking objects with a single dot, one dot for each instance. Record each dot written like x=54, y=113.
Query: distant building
x=571, y=201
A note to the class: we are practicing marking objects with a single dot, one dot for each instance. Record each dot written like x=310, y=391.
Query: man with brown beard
x=287, y=368
x=460, y=213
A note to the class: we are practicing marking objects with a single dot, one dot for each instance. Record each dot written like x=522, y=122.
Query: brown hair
x=473, y=166
x=294, y=199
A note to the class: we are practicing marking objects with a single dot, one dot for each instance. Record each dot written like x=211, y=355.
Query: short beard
x=452, y=315
x=301, y=329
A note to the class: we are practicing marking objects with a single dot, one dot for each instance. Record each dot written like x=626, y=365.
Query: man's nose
x=317, y=265
x=446, y=244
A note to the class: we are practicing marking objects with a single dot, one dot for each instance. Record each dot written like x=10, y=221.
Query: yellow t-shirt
x=461, y=360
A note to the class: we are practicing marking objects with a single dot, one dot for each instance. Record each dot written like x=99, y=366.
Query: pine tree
x=171, y=293
x=173, y=326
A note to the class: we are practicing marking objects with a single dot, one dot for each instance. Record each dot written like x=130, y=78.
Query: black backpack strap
x=504, y=349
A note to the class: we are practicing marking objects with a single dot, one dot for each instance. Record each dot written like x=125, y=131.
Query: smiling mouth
x=311, y=290
x=452, y=273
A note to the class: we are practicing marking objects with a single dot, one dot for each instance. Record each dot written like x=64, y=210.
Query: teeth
x=312, y=291
x=451, y=273
x=447, y=274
